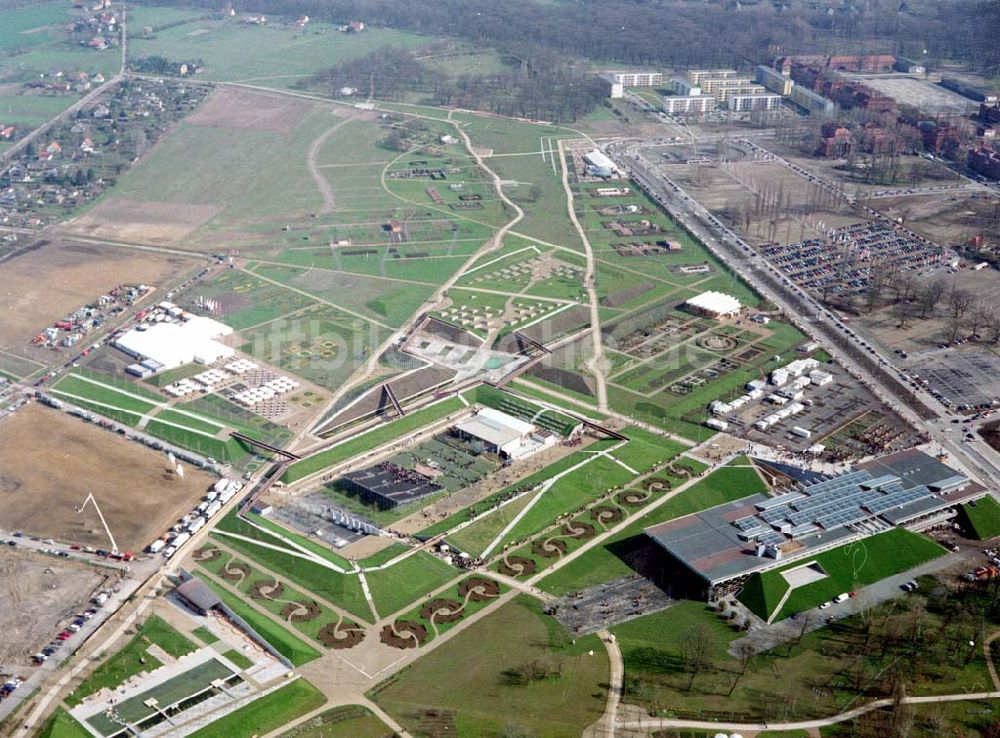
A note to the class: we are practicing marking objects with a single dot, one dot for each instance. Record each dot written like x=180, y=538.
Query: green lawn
x=290, y=646
x=490, y=654
x=61, y=725
x=982, y=518
x=267, y=713
x=407, y=581
x=132, y=658
x=848, y=567
x=373, y=438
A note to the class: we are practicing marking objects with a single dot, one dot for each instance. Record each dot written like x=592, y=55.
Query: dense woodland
x=681, y=32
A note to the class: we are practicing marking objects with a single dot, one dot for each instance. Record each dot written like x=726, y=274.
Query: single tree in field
x=699, y=643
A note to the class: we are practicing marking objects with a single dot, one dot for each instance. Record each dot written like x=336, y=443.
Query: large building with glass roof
x=717, y=549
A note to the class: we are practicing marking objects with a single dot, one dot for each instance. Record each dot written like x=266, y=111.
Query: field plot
x=53, y=278
x=352, y=721
x=211, y=167
x=276, y=55
x=321, y=344
x=141, y=221
x=44, y=591
x=243, y=300
x=495, y=651
x=387, y=303
x=50, y=461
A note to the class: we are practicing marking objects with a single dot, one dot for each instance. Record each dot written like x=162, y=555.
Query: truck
x=196, y=525
x=840, y=598
x=212, y=509
x=180, y=540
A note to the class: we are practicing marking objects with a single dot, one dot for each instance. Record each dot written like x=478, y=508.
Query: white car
x=825, y=605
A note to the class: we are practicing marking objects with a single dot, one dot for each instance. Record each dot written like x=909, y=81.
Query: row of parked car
x=990, y=570
x=71, y=629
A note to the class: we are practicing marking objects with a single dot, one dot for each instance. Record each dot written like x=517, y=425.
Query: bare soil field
x=44, y=591
x=883, y=324
x=241, y=109
x=141, y=221
x=731, y=190
x=946, y=219
x=43, y=284
x=50, y=462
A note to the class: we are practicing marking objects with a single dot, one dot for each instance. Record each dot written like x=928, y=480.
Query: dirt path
x=322, y=183
x=597, y=364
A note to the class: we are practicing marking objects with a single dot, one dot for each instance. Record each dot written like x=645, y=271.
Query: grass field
x=982, y=518
x=281, y=640
x=275, y=55
x=267, y=713
x=378, y=436
x=847, y=567
x=397, y=586
x=133, y=658
x=491, y=654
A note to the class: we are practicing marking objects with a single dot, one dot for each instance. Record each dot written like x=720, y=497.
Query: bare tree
x=699, y=643
x=959, y=301
x=901, y=716
x=953, y=328
x=930, y=296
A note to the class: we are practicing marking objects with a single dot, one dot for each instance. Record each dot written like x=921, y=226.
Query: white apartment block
x=689, y=104
x=637, y=79
x=747, y=103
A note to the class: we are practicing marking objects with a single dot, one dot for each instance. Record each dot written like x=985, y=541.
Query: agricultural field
x=278, y=54
x=50, y=461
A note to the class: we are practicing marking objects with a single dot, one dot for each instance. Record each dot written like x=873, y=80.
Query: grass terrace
x=368, y=440
x=133, y=657
x=848, y=567
x=982, y=518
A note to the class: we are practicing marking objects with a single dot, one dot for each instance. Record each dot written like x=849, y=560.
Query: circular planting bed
x=341, y=636
x=403, y=634
x=605, y=514
x=549, y=549
x=717, y=343
x=477, y=589
x=579, y=530
x=657, y=485
x=266, y=589
x=300, y=612
x=517, y=566
x=442, y=610
x=235, y=571
x=207, y=553
x=632, y=498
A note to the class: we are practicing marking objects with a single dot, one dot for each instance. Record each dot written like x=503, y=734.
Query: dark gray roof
x=198, y=594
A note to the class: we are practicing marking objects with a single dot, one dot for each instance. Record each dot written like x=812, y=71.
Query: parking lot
x=841, y=264
x=969, y=378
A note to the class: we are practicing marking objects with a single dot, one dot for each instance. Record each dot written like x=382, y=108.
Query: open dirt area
x=42, y=284
x=229, y=108
x=50, y=462
x=141, y=221
x=739, y=193
x=44, y=591
x=947, y=219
